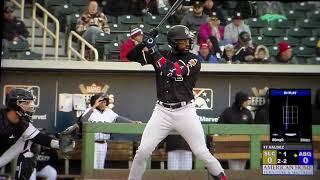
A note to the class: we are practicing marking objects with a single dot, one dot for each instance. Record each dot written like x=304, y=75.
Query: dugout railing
x=255, y=131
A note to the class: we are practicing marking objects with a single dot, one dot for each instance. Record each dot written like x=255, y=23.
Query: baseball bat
x=171, y=11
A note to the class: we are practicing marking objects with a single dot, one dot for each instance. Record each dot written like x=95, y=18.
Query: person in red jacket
x=136, y=36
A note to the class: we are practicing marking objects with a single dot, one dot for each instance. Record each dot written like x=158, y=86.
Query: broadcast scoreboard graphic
x=287, y=159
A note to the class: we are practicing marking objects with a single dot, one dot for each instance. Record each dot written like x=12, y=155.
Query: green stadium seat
x=49, y=4
x=71, y=20
x=62, y=11
x=164, y=29
x=273, y=50
x=299, y=33
x=264, y=40
x=129, y=19
x=308, y=24
x=314, y=15
x=123, y=37
x=255, y=32
x=112, y=19
x=294, y=15
x=161, y=39
x=28, y=55
x=303, y=6
x=165, y=47
x=301, y=60
x=273, y=32
x=290, y=40
x=79, y=2
x=119, y=28
x=309, y=42
x=256, y=23
x=18, y=46
x=151, y=20
x=313, y=60
x=106, y=38
x=304, y=52
x=316, y=32
x=163, y=10
x=111, y=51
x=144, y=27
x=287, y=5
x=282, y=24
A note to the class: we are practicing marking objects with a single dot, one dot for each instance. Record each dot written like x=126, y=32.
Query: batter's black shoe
x=221, y=176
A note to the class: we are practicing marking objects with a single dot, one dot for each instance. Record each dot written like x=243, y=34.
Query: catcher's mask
x=22, y=101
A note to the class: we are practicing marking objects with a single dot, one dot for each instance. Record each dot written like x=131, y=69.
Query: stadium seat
x=314, y=15
x=304, y=52
x=111, y=51
x=164, y=29
x=163, y=11
x=161, y=39
x=112, y=19
x=18, y=46
x=71, y=20
x=28, y=55
x=151, y=20
x=256, y=23
x=79, y=2
x=165, y=47
x=316, y=32
x=123, y=37
x=301, y=60
x=286, y=5
x=308, y=24
x=309, y=42
x=62, y=11
x=303, y=6
x=144, y=27
x=273, y=32
x=313, y=60
x=294, y=15
x=290, y=40
x=273, y=50
x=106, y=38
x=282, y=24
x=299, y=33
x=119, y=28
x=50, y=5
x=264, y=40
x=129, y=19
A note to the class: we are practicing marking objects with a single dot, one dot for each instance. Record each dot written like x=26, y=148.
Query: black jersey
x=176, y=75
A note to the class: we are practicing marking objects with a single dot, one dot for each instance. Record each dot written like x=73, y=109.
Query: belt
x=174, y=105
x=101, y=141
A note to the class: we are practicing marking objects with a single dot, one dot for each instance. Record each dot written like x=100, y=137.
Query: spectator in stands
x=92, y=22
x=228, y=55
x=212, y=28
x=262, y=114
x=232, y=30
x=205, y=56
x=237, y=114
x=316, y=108
x=209, y=7
x=261, y=55
x=178, y=15
x=269, y=7
x=136, y=36
x=14, y=30
x=163, y=3
x=195, y=19
x=214, y=47
x=284, y=55
x=179, y=153
x=248, y=9
x=244, y=52
x=144, y=7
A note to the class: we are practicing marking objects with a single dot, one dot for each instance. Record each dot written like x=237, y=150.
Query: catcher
x=17, y=132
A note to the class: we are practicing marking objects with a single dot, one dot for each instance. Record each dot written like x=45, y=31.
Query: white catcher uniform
x=175, y=110
x=101, y=145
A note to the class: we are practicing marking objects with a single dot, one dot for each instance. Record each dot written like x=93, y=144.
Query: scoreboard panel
x=287, y=159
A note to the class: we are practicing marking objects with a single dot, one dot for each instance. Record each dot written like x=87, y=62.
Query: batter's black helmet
x=15, y=97
x=178, y=32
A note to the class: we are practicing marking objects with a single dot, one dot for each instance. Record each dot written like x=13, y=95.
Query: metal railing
x=255, y=131
x=44, y=26
x=21, y=6
x=83, y=43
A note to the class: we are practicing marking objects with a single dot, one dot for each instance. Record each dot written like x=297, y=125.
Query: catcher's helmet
x=178, y=32
x=15, y=99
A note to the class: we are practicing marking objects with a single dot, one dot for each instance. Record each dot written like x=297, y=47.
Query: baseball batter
x=176, y=76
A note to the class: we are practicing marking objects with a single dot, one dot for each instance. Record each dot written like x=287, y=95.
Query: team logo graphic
x=35, y=91
x=258, y=99
x=203, y=98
